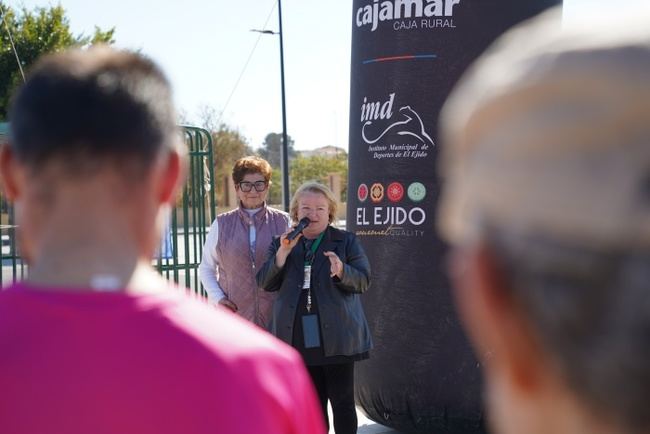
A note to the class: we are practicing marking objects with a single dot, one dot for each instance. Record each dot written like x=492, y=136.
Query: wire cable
x=11, y=40
x=223, y=110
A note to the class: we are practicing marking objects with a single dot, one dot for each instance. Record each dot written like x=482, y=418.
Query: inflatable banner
x=406, y=55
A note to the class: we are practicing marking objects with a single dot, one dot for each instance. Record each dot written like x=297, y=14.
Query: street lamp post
x=285, y=142
x=284, y=160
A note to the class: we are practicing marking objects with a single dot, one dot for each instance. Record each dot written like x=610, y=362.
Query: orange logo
x=376, y=192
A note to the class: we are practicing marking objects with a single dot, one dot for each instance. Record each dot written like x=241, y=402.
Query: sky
x=214, y=61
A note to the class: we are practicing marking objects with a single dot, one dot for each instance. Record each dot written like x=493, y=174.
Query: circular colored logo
x=362, y=192
x=416, y=191
x=376, y=192
x=395, y=192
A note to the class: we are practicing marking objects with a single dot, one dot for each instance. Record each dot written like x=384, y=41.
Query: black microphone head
x=304, y=222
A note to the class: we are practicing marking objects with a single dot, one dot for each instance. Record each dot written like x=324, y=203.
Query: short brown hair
x=251, y=164
x=314, y=187
x=96, y=104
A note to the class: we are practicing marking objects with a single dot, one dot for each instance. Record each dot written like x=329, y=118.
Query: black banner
x=406, y=56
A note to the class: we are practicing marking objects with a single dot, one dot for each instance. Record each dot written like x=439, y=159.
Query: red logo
x=395, y=192
x=362, y=192
x=376, y=192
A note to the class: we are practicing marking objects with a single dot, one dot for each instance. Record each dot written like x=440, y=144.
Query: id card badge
x=306, y=283
x=310, y=331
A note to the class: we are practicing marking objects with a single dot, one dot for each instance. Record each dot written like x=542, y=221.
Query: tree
x=271, y=149
x=43, y=30
x=317, y=168
x=229, y=146
x=275, y=190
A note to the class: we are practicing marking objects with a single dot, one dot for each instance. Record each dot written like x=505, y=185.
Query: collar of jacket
x=334, y=234
x=259, y=216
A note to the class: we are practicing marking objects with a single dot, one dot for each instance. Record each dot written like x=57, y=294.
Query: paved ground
x=366, y=426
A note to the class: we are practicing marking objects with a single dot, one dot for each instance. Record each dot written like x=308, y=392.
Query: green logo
x=416, y=191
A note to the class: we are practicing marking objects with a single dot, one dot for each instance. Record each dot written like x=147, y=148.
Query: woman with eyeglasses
x=319, y=276
x=238, y=241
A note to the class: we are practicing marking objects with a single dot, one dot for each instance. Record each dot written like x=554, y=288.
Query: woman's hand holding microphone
x=288, y=240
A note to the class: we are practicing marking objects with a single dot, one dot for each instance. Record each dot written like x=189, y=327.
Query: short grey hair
x=591, y=311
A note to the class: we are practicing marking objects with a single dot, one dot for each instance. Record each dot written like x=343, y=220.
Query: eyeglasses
x=246, y=186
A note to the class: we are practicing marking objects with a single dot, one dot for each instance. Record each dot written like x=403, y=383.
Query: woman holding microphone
x=319, y=276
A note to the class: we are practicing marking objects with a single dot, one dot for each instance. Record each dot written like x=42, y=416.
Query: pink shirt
x=89, y=362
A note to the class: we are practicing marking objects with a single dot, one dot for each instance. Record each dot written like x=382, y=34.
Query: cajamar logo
x=375, y=13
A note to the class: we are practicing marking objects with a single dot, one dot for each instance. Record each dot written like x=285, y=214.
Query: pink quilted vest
x=237, y=270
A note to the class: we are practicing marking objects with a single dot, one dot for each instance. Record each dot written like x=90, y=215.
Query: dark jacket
x=344, y=327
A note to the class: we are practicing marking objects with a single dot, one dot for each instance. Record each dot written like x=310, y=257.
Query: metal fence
x=13, y=268
x=182, y=241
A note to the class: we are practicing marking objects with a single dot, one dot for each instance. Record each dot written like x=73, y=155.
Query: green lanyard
x=307, y=271
x=314, y=247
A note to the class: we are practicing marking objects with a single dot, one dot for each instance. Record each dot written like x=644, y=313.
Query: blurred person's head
x=546, y=165
x=317, y=202
x=93, y=141
x=252, y=178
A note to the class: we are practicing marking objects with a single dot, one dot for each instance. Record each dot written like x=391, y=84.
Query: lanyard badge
x=309, y=259
x=306, y=283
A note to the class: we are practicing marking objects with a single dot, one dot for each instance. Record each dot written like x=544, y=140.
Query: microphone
x=302, y=224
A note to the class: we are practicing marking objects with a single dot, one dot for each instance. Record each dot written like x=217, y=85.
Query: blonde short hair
x=314, y=187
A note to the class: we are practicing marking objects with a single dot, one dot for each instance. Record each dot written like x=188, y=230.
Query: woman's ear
x=9, y=173
x=173, y=171
x=493, y=317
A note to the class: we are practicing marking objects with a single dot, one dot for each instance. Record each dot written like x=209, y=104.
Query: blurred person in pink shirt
x=94, y=340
